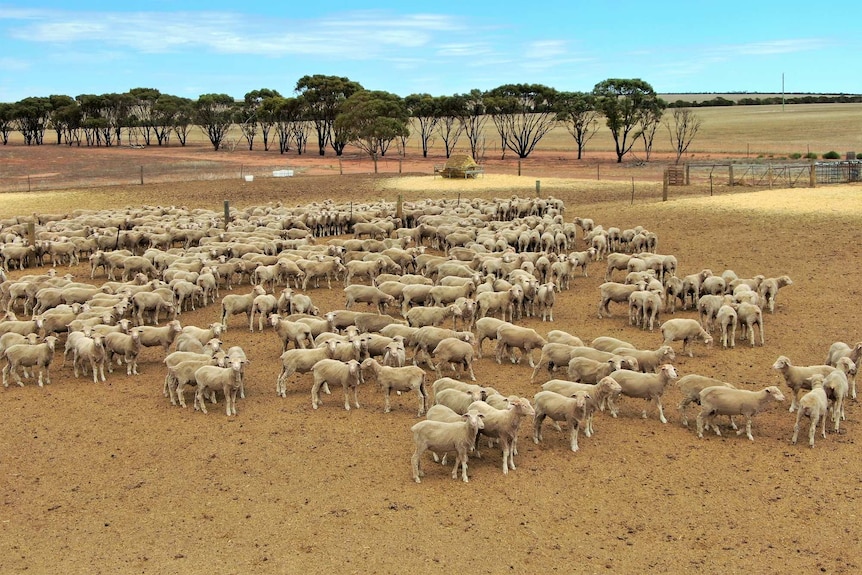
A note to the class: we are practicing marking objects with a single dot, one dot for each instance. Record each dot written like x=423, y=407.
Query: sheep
x=526, y=339
x=749, y=316
x=27, y=355
x=91, y=349
x=367, y=294
x=291, y=332
x=560, y=336
x=798, y=377
x=362, y=269
x=446, y=436
x=707, y=308
x=486, y=328
x=448, y=383
x=726, y=319
x=768, y=290
x=840, y=349
x=673, y=292
x=837, y=386
x=503, y=425
x=164, y=336
x=691, y=385
x=545, y=299
x=150, y=302
x=454, y=351
x=719, y=400
x=227, y=379
x=644, y=308
x=600, y=393
x=395, y=354
x=456, y=399
x=558, y=407
x=554, y=355
x=334, y=371
x=234, y=304
x=813, y=405
x=368, y=322
x=586, y=370
x=607, y=343
x=408, y=378
x=647, y=386
x=684, y=329
x=617, y=293
x=425, y=339
x=489, y=302
x=691, y=286
x=421, y=316
x=128, y=345
x=181, y=371
x=203, y=335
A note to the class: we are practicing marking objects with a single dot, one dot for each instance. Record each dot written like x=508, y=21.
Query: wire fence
x=774, y=175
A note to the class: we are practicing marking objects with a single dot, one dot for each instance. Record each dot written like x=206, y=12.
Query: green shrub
x=831, y=155
x=810, y=156
x=795, y=156
x=859, y=156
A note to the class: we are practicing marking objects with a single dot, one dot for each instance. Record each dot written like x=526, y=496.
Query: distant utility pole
x=782, y=91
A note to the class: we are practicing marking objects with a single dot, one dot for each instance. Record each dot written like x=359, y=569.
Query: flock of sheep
x=481, y=265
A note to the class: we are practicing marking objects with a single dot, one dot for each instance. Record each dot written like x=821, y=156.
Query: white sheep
x=407, y=378
x=442, y=436
x=647, y=386
x=226, y=379
x=511, y=337
x=720, y=400
x=152, y=336
x=333, y=371
x=91, y=349
x=457, y=399
x=504, y=424
x=126, y=345
x=586, y=370
x=726, y=319
x=263, y=306
x=27, y=355
x=181, y=372
x=560, y=336
x=798, y=377
x=450, y=383
x=600, y=393
x=691, y=385
x=648, y=360
x=768, y=290
x=486, y=328
x=454, y=351
x=367, y=294
x=837, y=387
x=420, y=316
x=840, y=349
x=813, y=405
x=617, y=293
x=750, y=315
x=289, y=332
x=299, y=361
x=234, y=304
x=685, y=329
x=558, y=407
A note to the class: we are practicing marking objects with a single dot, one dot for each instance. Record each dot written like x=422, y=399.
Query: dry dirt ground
x=110, y=478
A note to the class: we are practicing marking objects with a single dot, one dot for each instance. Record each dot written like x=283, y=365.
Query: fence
x=775, y=175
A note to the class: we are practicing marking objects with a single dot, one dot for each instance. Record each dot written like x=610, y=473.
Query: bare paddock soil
x=110, y=478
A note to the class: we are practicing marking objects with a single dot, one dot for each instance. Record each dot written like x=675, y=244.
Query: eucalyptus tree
x=65, y=117
x=7, y=118
x=577, y=112
x=473, y=119
x=649, y=122
x=371, y=120
x=424, y=109
x=449, y=124
x=683, y=130
x=214, y=115
x=323, y=96
x=623, y=102
x=253, y=108
x=285, y=113
x=31, y=116
x=142, y=104
x=522, y=114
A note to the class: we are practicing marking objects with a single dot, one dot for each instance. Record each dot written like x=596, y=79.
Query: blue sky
x=443, y=48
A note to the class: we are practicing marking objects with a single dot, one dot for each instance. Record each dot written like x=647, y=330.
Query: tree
x=142, y=104
x=254, y=106
x=323, y=96
x=370, y=120
x=522, y=114
x=623, y=102
x=62, y=116
x=577, y=111
x=425, y=110
x=214, y=115
x=685, y=126
x=31, y=117
x=286, y=112
x=449, y=125
x=649, y=123
x=473, y=119
x=7, y=117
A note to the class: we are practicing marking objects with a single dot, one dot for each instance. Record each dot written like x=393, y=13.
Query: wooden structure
x=459, y=166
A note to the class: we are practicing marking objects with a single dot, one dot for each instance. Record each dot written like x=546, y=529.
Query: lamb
x=684, y=329
x=333, y=371
x=27, y=355
x=673, y=292
x=160, y=336
x=840, y=349
x=128, y=345
x=369, y=295
x=768, y=290
x=726, y=319
x=749, y=316
x=798, y=377
x=617, y=293
x=523, y=338
x=234, y=304
x=289, y=332
x=446, y=436
x=454, y=351
x=813, y=405
x=420, y=316
x=91, y=349
x=600, y=393
x=721, y=400
x=457, y=400
x=503, y=425
x=691, y=385
x=408, y=378
x=647, y=386
x=558, y=407
x=395, y=354
x=227, y=379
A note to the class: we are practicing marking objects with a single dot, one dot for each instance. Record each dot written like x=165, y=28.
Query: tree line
x=341, y=112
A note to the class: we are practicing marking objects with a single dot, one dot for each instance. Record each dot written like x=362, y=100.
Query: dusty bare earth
x=110, y=478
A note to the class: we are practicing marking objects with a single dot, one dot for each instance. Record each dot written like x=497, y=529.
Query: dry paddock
x=110, y=478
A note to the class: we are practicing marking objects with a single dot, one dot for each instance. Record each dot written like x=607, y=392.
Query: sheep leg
x=537, y=427
x=355, y=395
x=386, y=407
x=574, y=434
x=682, y=407
x=415, y=464
x=346, y=397
x=747, y=428
x=472, y=374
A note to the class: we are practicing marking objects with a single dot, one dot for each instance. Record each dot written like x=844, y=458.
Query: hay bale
x=460, y=166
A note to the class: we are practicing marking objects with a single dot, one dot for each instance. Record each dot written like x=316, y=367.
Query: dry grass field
x=110, y=478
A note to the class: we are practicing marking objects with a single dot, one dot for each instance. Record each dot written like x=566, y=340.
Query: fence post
x=812, y=176
x=226, y=213
x=688, y=174
x=730, y=172
x=142, y=175
x=664, y=184
x=597, y=173
x=519, y=166
x=633, y=190
x=769, y=175
x=710, y=184
x=340, y=168
x=399, y=208
x=538, y=188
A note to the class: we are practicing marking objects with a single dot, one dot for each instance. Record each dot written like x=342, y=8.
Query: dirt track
x=109, y=478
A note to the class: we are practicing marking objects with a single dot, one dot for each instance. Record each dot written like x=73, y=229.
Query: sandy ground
x=110, y=478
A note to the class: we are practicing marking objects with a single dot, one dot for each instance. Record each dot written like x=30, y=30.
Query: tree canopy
x=371, y=120
x=623, y=103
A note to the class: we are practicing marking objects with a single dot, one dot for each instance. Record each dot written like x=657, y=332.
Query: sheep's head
x=775, y=393
x=781, y=363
